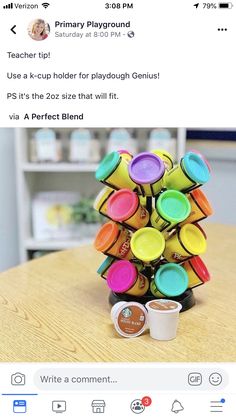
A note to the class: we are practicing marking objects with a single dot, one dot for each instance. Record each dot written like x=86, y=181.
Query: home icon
x=98, y=406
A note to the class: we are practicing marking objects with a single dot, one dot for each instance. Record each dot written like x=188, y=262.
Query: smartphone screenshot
x=117, y=216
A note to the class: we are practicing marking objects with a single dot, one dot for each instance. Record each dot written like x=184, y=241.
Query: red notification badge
x=146, y=401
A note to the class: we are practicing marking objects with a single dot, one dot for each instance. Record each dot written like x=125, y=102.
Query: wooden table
x=56, y=309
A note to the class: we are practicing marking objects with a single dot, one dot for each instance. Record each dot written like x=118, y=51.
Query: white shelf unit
x=64, y=176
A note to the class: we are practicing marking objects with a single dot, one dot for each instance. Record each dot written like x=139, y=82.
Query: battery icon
x=225, y=5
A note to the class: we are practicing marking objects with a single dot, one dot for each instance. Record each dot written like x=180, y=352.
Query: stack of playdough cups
x=153, y=239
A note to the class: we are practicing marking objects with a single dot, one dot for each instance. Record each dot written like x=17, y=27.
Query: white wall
x=8, y=218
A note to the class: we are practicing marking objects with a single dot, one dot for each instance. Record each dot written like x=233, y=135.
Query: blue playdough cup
x=191, y=173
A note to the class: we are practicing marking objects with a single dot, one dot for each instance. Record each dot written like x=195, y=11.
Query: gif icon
x=195, y=379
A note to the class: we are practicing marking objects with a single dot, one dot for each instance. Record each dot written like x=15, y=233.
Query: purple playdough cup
x=147, y=171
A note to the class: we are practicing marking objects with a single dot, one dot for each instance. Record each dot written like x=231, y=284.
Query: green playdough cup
x=172, y=207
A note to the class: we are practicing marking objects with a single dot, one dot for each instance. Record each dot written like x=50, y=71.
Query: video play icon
x=59, y=406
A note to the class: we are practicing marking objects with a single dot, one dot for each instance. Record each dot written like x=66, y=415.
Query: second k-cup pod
x=163, y=318
x=171, y=280
x=130, y=318
x=172, y=207
x=197, y=272
x=124, y=207
x=123, y=277
x=147, y=171
x=187, y=242
x=147, y=244
x=113, y=171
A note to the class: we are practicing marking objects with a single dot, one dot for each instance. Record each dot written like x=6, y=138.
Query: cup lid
x=163, y=306
x=121, y=276
x=147, y=244
x=203, y=157
x=201, y=199
x=173, y=205
x=105, y=264
x=122, y=205
x=107, y=165
x=196, y=167
x=171, y=279
x=193, y=239
x=146, y=168
x=200, y=268
x=106, y=236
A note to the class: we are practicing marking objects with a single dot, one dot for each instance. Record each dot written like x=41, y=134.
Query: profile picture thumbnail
x=38, y=30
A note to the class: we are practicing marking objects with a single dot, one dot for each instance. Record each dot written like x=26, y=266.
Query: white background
x=195, y=61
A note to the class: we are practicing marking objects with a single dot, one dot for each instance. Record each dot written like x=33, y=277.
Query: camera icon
x=18, y=379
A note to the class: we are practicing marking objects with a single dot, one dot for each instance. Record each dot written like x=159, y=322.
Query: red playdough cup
x=114, y=240
x=197, y=272
x=124, y=206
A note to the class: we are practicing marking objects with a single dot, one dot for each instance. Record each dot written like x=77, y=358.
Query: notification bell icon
x=177, y=407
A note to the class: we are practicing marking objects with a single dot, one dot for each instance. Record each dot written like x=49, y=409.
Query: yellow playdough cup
x=100, y=203
x=114, y=240
x=187, y=242
x=147, y=244
x=113, y=172
x=166, y=157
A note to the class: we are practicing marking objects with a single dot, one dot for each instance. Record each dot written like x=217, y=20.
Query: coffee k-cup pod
x=163, y=318
x=129, y=318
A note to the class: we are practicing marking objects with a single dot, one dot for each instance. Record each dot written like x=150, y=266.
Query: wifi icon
x=45, y=5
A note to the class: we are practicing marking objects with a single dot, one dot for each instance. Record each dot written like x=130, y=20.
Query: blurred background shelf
x=59, y=167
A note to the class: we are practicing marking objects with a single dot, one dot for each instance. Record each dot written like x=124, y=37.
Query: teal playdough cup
x=170, y=280
x=113, y=172
x=191, y=173
x=172, y=207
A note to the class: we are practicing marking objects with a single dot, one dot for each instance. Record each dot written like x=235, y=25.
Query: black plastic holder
x=187, y=299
